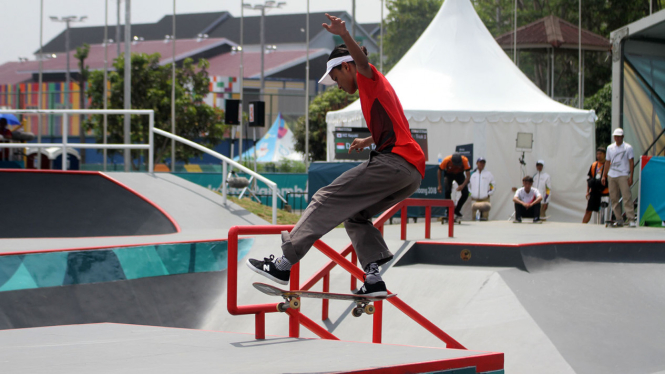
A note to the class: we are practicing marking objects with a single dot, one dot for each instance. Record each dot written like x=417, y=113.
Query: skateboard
x=363, y=303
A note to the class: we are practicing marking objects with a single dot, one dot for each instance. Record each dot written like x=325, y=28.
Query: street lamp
x=67, y=20
x=262, y=8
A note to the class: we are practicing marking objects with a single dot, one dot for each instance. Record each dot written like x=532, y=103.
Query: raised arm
x=338, y=27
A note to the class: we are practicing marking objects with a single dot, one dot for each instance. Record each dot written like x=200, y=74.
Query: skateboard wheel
x=282, y=307
x=357, y=312
x=294, y=303
x=369, y=309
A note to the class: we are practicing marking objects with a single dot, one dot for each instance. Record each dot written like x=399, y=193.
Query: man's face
x=618, y=139
x=480, y=165
x=345, y=77
x=527, y=185
x=600, y=156
x=539, y=167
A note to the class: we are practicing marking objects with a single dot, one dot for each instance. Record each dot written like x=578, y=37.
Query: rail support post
x=260, y=329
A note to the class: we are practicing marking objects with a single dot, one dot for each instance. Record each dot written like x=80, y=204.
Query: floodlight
x=524, y=142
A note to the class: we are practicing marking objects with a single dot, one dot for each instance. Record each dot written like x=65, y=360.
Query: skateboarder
x=393, y=172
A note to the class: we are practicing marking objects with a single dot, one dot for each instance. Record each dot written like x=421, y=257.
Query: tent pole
x=552, y=73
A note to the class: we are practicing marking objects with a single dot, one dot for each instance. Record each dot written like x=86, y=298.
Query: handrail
x=225, y=160
x=295, y=317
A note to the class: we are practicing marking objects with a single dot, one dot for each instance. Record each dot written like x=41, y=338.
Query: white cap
x=618, y=132
x=326, y=79
x=540, y=162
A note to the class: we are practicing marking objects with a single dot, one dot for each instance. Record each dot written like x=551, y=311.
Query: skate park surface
x=553, y=312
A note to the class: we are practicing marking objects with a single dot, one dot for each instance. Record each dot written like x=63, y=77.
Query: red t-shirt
x=386, y=121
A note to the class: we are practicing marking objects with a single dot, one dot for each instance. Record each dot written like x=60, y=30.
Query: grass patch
x=265, y=212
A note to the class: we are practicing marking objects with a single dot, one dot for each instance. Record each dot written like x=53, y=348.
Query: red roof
x=183, y=48
x=553, y=31
x=228, y=64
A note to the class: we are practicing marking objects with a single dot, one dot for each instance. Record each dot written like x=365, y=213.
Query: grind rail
x=296, y=318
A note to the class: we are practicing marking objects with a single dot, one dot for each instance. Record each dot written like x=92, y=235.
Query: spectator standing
x=596, y=189
x=543, y=183
x=527, y=201
x=456, y=168
x=618, y=175
x=481, y=186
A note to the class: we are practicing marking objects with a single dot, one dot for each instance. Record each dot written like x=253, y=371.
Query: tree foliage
x=407, y=19
x=330, y=99
x=151, y=89
x=601, y=102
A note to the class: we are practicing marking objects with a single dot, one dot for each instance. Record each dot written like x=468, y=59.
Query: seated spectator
x=481, y=186
x=527, y=201
x=596, y=189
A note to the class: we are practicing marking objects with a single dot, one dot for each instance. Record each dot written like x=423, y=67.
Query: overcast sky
x=20, y=27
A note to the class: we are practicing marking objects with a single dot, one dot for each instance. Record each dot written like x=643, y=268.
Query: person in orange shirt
x=596, y=189
x=456, y=168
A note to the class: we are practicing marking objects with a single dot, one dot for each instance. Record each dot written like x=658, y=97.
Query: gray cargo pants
x=354, y=198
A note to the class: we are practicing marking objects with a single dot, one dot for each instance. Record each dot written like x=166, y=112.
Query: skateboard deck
x=363, y=303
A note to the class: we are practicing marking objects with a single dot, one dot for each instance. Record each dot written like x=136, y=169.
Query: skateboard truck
x=291, y=302
x=362, y=307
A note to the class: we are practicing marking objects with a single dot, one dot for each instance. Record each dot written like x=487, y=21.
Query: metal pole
x=127, y=98
x=151, y=141
x=353, y=22
x=38, y=164
x=117, y=31
x=381, y=42
x=579, y=57
x=65, y=125
x=242, y=75
x=173, y=95
x=552, y=85
x=224, y=172
x=307, y=92
x=515, y=35
x=106, y=68
x=67, y=73
x=263, y=50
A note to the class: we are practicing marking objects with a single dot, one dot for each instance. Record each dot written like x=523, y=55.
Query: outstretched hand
x=337, y=26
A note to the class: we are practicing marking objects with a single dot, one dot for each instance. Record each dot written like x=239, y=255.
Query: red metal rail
x=295, y=317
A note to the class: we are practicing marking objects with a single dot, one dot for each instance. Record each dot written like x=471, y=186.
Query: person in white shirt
x=618, y=175
x=481, y=186
x=527, y=201
x=543, y=183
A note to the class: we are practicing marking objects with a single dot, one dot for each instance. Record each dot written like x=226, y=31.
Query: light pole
x=173, y=94
x=307, y=94
x=127, y=96
x=262, y=8
x=381, y=43
x=41, y=68
x=67, y=20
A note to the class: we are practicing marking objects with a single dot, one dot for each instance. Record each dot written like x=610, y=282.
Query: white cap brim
x=327, y=79
x=540, y=162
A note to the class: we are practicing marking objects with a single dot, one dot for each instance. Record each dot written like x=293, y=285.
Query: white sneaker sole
x=259, y=271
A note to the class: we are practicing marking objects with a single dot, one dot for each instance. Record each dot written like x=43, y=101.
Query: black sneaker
x=373, y=290
x=537, y=220
x=268, y=269
x=517, y=220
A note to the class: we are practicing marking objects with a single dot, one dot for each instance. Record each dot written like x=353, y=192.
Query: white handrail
x=225, y=160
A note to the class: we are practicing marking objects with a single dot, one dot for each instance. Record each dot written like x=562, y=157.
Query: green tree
x=81, y=54
x=151, y=89
x=601, y=102
x=598, y=16
x=406, y=21
x=330, y=99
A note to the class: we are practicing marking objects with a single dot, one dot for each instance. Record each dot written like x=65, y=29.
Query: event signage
x=344, y=136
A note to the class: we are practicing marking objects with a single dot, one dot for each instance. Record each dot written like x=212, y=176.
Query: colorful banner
x=651, y=197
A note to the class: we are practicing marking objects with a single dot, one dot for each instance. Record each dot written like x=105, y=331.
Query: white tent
x=457, y=83
x=276, y=145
